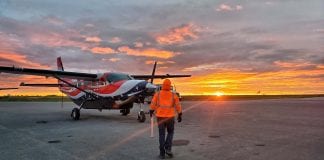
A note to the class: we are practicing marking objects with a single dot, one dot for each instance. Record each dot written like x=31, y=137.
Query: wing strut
x=74, y=86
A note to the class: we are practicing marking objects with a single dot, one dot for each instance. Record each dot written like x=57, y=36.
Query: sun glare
x=218, y=94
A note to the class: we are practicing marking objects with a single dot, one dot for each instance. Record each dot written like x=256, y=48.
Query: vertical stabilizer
x=59, y=64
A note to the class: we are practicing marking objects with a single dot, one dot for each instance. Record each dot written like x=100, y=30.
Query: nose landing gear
x=141, y=115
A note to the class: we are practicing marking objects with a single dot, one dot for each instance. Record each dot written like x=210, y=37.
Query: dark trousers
x=168, y=124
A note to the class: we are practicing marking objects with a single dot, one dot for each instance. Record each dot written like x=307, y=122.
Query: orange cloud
x=138, y=44
x=115, y=40
x=114, y=59
x=224, y=7
x=93, y=39
x=20, y=60
x=320, y=66
x=53, y=39
x=178, y=34
x=102, y=50
x=292, y=64
x=149, y=52
x=202, y=67
x=227, y=8
x=159, y=62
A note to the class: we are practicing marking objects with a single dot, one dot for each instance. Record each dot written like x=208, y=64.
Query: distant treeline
x=244, y=97
x=50, y=98
x=55, y=98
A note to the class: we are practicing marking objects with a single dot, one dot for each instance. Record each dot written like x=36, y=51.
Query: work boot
x=169, y=153
x=161, y=156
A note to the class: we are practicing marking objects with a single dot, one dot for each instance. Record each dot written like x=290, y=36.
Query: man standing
x=166, y=103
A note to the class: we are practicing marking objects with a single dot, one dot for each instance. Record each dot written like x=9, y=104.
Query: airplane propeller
x=153, y=72
x=150, y=86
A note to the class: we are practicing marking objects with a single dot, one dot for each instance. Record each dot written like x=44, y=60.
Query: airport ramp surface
x=222, y=130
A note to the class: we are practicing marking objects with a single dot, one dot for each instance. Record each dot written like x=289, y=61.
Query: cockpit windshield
x=114, y=77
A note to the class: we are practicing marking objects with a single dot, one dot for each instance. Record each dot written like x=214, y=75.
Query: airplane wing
x=146, y=77
x=48, y=73
x=7, y=88
x=154, y=76
x=39, y=84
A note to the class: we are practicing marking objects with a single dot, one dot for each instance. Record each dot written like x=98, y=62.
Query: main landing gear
x=75, y=113
x=125, y=112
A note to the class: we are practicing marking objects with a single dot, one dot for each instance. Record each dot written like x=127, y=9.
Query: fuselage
x=110, y=87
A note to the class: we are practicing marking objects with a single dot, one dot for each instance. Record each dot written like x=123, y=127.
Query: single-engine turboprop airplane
x=98, y=91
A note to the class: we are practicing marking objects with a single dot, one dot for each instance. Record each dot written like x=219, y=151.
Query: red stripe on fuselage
x=73, y=93
x=111, y=88
x=108, y=89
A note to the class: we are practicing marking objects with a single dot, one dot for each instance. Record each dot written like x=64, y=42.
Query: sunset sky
x=228, y=46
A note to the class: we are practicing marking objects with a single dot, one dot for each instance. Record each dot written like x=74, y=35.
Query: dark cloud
x=237, y=40
x=280, y=54
x=253, y=30
x=261, y=37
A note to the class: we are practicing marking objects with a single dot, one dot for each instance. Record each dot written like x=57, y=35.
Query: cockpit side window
x=115, y=77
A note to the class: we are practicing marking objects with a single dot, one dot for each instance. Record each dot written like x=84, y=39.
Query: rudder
x=59, y=64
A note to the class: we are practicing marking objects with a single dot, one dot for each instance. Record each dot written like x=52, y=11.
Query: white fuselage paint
x=124, y=88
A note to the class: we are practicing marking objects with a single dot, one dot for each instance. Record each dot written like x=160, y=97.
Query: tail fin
x=59, y=64
x=60, y=68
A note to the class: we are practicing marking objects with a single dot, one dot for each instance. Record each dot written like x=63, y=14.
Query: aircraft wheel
x=141, y=116
x=125, y=112
x=75, y=114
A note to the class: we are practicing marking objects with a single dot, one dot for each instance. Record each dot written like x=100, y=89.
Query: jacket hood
x=166, y=85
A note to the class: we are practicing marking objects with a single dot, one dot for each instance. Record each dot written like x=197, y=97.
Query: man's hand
x=151, y=113
x=179, y=117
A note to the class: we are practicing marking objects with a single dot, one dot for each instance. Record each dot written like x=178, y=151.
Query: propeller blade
x=153, y=73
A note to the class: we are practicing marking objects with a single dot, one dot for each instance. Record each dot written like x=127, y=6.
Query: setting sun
x=218, y=94
x=255, y=53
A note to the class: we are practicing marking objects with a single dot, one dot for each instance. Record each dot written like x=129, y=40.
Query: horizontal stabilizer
x=39, y=84
x=7, y=88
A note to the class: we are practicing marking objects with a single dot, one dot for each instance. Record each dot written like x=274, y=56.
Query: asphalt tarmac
x=286, y=129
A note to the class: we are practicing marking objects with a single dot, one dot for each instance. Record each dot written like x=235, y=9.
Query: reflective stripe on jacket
x=165, y=103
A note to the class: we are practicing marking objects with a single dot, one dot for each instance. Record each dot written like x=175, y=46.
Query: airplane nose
x=150, y=87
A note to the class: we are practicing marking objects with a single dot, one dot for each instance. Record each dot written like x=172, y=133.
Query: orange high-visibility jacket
x=165, y=102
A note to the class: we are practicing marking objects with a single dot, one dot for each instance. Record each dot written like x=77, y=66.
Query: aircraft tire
x=141, y=116
x=125, y=112
x=75, y=114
